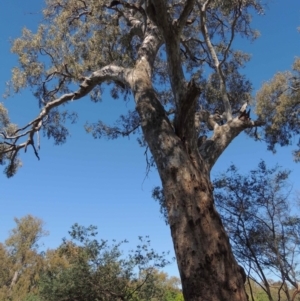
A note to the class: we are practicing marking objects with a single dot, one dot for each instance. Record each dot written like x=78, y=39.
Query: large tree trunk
x=206, y=264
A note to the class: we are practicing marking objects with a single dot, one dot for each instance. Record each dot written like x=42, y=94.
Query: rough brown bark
x=207, y=267
x=206, y=264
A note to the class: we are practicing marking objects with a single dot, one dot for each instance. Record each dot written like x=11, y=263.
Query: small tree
x=97, y=271
x=23, y=261
x=264, y=234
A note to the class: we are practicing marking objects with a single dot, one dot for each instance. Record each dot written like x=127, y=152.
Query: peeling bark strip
x=187, y=140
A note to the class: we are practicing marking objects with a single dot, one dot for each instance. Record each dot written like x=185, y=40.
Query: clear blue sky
x=103, y=182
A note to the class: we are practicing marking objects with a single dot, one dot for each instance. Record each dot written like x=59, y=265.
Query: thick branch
x=185, y=116
x=171, y=33
x=146, y=57
x=131, y=6
x=108, y=73
x=212, y=148
x=211, y=120
x=137, y=27
x=185, y=14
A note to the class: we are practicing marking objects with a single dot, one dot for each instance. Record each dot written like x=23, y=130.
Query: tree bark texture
x=206, y=264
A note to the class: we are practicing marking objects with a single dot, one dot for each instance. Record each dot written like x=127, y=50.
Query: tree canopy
x=96, y=37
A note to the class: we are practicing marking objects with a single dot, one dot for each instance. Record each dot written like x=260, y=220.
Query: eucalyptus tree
x=175, y=59
x=96, y=270
x=21, y=260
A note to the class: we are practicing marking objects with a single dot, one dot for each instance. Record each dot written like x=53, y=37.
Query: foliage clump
x=278, y=104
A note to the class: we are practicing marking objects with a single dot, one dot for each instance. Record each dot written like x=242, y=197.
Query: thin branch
x=215, y=59
x=139, y=286
x=188, y=52
x=232, y=35
x=84, y=13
